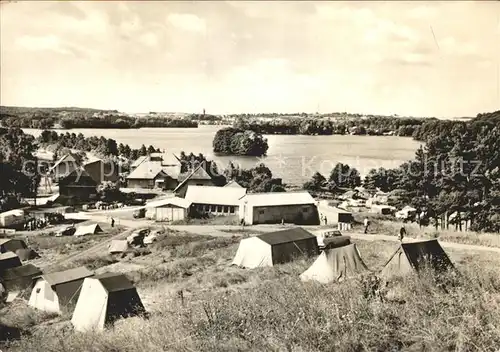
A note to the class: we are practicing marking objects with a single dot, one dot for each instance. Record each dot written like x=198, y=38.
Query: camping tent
x=118, y=246
x=103, y=300
x=87, y=230
x=11, y=245
x=414, y=256
x=9, y=260
x=53, y=291
x=20, y=278
x=27, y=254
x=335, y=264
x=275, y=248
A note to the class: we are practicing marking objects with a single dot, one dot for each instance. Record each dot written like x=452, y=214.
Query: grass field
x=225, y=308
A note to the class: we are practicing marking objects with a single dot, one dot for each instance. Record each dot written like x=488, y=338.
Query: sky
x=414, y=58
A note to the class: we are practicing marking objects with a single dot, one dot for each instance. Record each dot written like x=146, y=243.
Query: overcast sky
x=407, y=58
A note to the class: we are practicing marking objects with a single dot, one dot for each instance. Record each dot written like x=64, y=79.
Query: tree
x=343, y=176
x=232, y=141
x=317, y=182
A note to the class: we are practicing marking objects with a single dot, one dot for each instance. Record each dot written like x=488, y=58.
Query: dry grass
x=269, y=309
x=380, y=224
x=212, y=220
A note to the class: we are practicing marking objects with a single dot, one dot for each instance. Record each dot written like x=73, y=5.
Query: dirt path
x=219, y=231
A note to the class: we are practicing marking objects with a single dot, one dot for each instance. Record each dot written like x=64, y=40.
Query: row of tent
x=96, y=300
x=337, y=262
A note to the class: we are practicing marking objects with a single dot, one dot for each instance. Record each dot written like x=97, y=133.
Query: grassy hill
x=226, y=308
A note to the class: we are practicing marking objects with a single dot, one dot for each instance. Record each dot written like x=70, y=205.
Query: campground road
x=230, y=230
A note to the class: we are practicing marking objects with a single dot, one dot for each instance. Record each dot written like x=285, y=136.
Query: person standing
x=112, y=222
x=402, y=233
x=366, y=223
x=326, y=221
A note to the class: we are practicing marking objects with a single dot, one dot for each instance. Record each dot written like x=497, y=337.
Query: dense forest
x=458, y=171
x=100, y=146
x=235, y=141
x=379, y=125
x=67, y=118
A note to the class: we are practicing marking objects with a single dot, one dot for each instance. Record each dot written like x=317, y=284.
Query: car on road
x=139, y=214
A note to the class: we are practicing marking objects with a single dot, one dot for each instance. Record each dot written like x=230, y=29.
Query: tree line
x=457, y=172
x=68, y=118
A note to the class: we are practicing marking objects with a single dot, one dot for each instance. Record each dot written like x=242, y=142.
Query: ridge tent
x=118, y=246
x=275, y=248
x=335, y=264
x=103, y=300
x=88, y=230
x=11, y=245
x=53, y=291
x=9, y=260
x=414, y=256
x=20, y=278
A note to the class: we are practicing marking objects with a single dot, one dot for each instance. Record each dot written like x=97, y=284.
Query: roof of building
x=278, y=198
x=169, y=159
x=113, y=282
x=21, y=271
x=286, y=236
x=147, y=171
x=199, y=173
x=174, y=171
x=139, y=161
x=214, y=195
x=67, y=157
x=62, y=277
x=340, y=210
x=233, y=183
x=180, y=202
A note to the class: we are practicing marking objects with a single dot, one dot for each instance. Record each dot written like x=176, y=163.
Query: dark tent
x=414, y=256
x=27, y=254
x=9, y=260
x=20, y=278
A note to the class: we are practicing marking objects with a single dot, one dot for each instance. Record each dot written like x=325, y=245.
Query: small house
x=52, y=292
x=78, y=185
x=215, y=200
x=149, y=175
x=272, y=208
x=102, y=171
x=197, y=177
x=169, y=209
x=103, y=300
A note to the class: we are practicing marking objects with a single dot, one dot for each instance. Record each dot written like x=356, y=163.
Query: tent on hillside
x=118, y=246
x=9, y=260
x=54, y=291
x=103, y=300
x=414, y=256
x=275, y=248
x=87, y=230
x=335, y=265
x=11, y=245
x=27, y=254
x=20, y=278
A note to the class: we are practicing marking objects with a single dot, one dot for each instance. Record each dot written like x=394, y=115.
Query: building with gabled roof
x=102, y=171
x=196, y=177
x=276, y=207
x=215, y=200
x=52, y=292
x=63, y=167
x=103, y=300
x=148, y=175
x=169, y=209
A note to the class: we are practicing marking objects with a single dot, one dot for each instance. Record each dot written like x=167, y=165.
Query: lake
x=293, y=158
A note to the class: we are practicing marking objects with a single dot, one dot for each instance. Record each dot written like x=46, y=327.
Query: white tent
x=118, y=246
x=53, y=291
x=88, y=230
x=275, y=248
x=335, y=265
x=103, y=300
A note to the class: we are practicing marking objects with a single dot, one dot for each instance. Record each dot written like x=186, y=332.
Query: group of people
x=35, y=224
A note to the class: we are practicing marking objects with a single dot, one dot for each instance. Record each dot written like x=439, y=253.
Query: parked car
x=66, y=231
x=140, y=213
